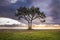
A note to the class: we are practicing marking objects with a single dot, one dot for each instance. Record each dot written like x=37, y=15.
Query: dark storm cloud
x=6, y=12
x=55, y=12
x=50, y=7
x=7, y=8
x=4, y=2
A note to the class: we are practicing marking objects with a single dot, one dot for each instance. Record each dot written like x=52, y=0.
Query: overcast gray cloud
x=44, y=7
x=55, y=11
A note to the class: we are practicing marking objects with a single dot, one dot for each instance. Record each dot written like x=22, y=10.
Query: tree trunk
x=29, y=25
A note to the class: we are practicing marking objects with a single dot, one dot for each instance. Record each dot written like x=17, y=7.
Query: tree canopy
x=29, y=14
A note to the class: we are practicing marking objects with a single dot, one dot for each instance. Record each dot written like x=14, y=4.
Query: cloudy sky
x=51, y=8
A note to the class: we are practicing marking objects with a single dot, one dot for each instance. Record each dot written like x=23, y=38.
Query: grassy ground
x=29, y=34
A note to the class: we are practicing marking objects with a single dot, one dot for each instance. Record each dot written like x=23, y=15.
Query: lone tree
x=29, y=14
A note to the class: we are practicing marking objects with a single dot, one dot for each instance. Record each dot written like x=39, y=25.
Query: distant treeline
x=9, y=25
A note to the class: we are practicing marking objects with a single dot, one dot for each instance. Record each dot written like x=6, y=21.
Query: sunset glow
x=46, y=26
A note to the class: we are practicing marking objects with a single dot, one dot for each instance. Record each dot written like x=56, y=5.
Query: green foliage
x=29, y=14
x=30, y=35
